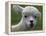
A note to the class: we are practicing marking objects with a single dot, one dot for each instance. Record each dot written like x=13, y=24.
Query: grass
x=16, y=17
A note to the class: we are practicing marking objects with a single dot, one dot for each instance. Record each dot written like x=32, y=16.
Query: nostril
x=31, y=21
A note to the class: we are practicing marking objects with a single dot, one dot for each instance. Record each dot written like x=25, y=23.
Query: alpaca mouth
x=31, y=25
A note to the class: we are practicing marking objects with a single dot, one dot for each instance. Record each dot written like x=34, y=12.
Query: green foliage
x=15, y=17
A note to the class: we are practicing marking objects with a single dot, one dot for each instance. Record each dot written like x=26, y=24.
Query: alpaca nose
x=31, y=21
x=31, y=25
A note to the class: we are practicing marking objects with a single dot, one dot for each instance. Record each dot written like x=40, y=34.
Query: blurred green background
x=16, y=16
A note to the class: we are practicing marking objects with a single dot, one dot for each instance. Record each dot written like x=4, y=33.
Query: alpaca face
x=30, y=20
x=30, y=15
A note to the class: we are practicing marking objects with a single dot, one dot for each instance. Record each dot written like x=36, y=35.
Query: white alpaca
x=29, y=16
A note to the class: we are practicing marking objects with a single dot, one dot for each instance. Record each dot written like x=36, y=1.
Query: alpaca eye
x=25, y=16
x=34, y=16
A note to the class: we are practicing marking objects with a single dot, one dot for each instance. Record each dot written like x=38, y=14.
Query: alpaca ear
x=17, y=8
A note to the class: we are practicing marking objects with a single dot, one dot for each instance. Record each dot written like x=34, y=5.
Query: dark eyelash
x=25, y=16
x=34, y=16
